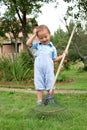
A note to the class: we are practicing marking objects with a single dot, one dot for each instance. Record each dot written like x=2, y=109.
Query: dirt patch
x=14, y=84
x=31, y=84
x=66, y=82
x=34, y=92
x=29, y=90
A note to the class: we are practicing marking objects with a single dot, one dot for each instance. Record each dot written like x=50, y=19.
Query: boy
x=45, y=55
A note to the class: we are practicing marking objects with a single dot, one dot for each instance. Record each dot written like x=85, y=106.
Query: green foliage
x=5, y=66
x=62, y=77
x=78, y=9
x=78, y=46
x=73, y=55
x=60, y=39
x=79, y=43
x=1, y=45
x=85, y=64
x=17, y=70
x=67, y=64
x=27, y=64
x=20, y=10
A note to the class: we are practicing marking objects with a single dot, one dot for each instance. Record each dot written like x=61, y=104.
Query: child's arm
x=60, y=56
x=30, y=40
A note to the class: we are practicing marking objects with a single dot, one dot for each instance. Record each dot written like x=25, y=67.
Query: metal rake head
x=48, y=99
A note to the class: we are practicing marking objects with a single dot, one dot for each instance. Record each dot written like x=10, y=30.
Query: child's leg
x=51, y=92
x=39, y=96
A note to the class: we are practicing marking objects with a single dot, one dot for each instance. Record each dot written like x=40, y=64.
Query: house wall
x=7, y=49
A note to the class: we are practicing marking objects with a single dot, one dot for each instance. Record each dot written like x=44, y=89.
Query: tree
x=60, y=39
x=80, y=40
x=10, y=25
x=81, y=44
x=78, y=46
x=24, y=8
x=77, y=9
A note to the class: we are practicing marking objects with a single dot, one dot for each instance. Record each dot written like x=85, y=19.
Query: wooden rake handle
x=60, y=65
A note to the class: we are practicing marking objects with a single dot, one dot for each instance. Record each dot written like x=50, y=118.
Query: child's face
x=44, y=36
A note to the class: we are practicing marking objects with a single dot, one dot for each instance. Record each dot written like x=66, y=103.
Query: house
x=8, y=46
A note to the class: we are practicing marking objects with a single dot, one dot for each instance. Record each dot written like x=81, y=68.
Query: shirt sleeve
x=54, y=53
x=34, y=45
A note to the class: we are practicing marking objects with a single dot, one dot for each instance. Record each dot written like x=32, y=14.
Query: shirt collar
x=49, y=44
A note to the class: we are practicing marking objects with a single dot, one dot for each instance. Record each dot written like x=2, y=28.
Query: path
x=34, y=92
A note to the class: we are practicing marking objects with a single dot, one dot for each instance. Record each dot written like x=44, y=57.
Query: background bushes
x=20, y=69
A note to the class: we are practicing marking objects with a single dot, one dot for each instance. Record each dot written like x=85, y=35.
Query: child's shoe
x=39, y=102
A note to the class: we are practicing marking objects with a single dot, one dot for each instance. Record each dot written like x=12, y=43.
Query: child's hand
x=35, y=31
x=65, y=52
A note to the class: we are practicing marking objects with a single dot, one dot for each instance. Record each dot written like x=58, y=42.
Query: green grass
x=79, y=80
x=16, y=112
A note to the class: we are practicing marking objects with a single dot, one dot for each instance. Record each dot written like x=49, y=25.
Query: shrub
x=20, y=69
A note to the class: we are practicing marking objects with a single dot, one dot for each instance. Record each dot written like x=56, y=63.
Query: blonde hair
x=41, y=28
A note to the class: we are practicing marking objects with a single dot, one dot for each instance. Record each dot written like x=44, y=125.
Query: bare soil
x=28, y=90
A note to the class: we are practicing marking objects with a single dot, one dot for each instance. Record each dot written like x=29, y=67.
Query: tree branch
x=17, y=11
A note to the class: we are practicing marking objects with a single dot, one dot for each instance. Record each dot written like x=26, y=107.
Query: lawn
x=78, y=80
x=16, y=112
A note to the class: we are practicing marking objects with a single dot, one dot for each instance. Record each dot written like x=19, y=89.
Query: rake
x=49, y=97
